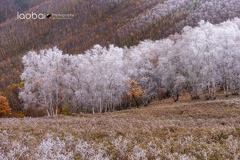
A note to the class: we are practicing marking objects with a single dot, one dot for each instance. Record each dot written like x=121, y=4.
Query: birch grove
x=199, y=60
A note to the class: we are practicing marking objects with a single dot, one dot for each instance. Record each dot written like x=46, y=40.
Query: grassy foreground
x=164, y=130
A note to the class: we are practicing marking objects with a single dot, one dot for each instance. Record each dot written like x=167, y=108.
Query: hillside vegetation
x=120, y=23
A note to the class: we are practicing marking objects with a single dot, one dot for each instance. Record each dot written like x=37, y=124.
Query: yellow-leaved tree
x=135, y=91
x=5, y=109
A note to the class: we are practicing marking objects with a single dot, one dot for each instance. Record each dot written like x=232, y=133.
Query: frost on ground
x=185, y=130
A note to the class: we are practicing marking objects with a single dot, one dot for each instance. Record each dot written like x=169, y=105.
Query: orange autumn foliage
x=135, y=91
x=5, y=110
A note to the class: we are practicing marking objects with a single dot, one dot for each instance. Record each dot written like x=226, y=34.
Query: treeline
x=200, y=60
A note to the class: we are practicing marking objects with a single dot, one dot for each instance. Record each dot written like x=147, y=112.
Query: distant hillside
x=9, y=8
x=119, y=22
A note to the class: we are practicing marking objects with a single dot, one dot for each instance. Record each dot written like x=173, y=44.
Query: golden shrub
x=5, y=109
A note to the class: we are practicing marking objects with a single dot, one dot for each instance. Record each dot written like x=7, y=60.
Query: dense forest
x=122, y=23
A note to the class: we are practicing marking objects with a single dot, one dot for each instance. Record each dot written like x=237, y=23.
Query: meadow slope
x=165, y=130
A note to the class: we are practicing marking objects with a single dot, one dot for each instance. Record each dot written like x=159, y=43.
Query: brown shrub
x=35, y=112
x=18, y=114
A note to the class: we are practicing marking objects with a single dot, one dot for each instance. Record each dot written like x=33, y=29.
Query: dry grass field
x=164, y=130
